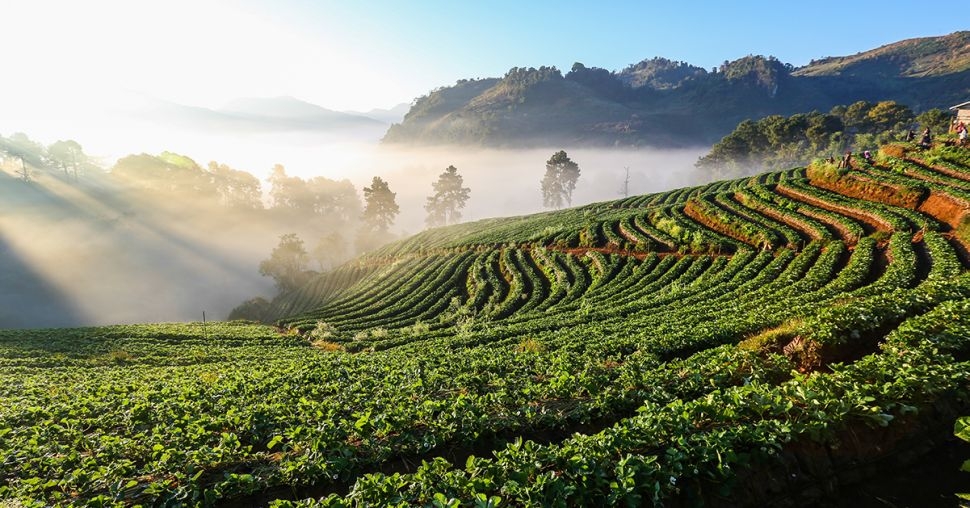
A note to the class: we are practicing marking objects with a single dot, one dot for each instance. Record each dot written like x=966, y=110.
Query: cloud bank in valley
x=94, y=261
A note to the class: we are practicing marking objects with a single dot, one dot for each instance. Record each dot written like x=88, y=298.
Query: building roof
x=961, y=105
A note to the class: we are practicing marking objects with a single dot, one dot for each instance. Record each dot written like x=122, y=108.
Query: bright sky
x=368, y=54
x=92, y=70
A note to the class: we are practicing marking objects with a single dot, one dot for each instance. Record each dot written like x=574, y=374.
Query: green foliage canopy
x=777, y=142
x=449, y=198
x=559, y=181
x=287, y=263
x=380, y=208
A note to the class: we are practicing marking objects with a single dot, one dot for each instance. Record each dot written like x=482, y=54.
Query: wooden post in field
x=205, y=334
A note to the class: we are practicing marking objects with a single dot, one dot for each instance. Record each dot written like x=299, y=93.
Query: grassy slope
x=735, y=339
x=920, y=57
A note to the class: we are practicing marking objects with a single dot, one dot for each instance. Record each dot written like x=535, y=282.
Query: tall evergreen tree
x=449, y=197
x=559, y=182
x=380, y=208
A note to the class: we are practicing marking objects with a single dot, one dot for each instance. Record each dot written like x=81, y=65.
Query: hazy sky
x=94, y=70
x=368, y=54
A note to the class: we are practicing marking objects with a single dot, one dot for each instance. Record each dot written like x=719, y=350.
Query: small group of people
x=846, y=161
x=925, y=141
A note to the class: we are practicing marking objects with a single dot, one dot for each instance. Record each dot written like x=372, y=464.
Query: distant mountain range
x=659, y=102
x=388, y=116
x=274, y=114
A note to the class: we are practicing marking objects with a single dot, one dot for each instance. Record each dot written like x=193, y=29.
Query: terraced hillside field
x=750, y=342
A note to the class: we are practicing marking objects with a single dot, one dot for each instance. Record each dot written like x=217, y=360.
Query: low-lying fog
x=506, y=182
x=69, y=256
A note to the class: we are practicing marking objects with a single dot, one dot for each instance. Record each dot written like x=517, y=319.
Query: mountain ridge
x=262, y=115
x=916, y=57
x=660, y=102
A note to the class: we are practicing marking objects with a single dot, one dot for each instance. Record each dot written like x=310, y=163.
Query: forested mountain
x=658, y=102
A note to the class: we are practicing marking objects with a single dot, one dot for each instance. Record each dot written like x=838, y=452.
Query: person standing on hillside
x=867, y=155
x=910, y=135
x=962, y=133
x=926, y=140
x=846, y=162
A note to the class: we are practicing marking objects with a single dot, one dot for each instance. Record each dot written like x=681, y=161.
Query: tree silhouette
x=329, y=251
x=289, y=193
x=380, y=208
x=235, y=188
x=559, y=181
x=286, y=264
x=19, y=146
x=449, y=197
x=67, y=155
x=316, y=196
x=334, y=198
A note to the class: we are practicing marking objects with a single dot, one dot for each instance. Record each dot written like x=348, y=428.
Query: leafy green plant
x=678, y=374
x=961, y=429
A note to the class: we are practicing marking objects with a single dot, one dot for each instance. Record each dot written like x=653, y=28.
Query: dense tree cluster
x=604, y=82
x=167, y=173
x=29, y=156
x=316, y=196
x=236, y=188
x=659, y=73
x=520, y=79
x=778, y=142
x=757, y=70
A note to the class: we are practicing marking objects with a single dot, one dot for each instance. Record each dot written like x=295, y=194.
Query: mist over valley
x=89, y=252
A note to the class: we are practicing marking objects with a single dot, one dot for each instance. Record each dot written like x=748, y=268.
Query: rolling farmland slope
x=760, y=341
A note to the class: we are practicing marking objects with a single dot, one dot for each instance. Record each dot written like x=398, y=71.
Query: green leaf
x=277, y=439
x=962, y=428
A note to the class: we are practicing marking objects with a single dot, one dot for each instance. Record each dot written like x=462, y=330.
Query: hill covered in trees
x=777, y=142
x=658, y=102
x=769, y=340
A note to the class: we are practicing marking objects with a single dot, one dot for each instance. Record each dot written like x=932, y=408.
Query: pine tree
x=380, y=208
x=449, y=197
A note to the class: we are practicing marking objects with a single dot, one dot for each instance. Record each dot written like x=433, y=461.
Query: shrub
x=119, y=356
x=323, y=331
x=326, y=345
x=530, y=346
x=898, y=151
